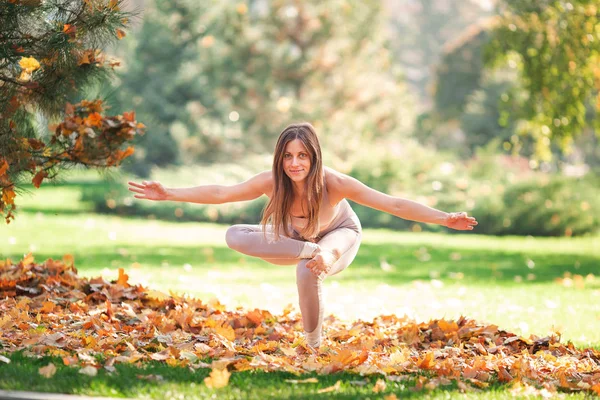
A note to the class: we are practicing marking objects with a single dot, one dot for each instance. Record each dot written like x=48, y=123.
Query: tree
x=50, y=51
x=422, y=29
x=244, y=70
x=556, y=47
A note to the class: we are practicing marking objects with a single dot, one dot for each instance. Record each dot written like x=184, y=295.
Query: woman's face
x=296, y=161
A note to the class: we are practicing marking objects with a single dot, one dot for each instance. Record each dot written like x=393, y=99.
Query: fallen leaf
x=89, y=371
x=379, y=386
x=333, y=388
x=48, y=371
x=307, y=380
x=218, y=378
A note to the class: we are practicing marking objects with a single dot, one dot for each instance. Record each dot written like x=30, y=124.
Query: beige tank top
x=327, y=214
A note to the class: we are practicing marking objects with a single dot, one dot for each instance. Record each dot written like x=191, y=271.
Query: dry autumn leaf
x=85, y=317
x=333, y=388
x=89, y=371
x=48, y=371
x=380, y=386
x=307, y=380
x=218, y=378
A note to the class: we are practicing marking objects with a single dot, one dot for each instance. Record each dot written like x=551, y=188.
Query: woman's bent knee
x=234, y=237
x=304, y=275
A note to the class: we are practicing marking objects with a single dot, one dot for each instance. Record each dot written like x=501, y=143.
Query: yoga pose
x=307, y=222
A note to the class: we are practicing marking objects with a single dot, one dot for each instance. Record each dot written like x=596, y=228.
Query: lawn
x=526, y=285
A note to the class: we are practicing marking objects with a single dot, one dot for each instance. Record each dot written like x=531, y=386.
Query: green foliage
x=50, y=53
x=549, y=206
x=556, y=47
x=423, y=31
x=223, y=78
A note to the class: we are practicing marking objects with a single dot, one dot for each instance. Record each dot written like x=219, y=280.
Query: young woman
x=307, y=222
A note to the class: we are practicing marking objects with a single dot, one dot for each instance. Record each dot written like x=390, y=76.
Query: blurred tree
x=49, y=52
x=466, y=113
x=421, y=29
x=555, y=45
x=229, y=75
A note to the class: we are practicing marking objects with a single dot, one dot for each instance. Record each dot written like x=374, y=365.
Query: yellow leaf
x=226, y=331
x=48, y=371
x=114, y=5
x=28, y=259
x=218, y=378
x=29, y=64
x=68, y=260
x=155, y=294
x=24, y=77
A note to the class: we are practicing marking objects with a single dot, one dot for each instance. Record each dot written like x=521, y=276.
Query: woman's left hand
x=460, y=221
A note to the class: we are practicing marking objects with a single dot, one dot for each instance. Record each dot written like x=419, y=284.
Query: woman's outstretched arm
x=204, y=194
x=352, y=189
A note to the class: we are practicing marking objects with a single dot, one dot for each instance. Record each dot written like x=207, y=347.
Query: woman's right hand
x=148, y=190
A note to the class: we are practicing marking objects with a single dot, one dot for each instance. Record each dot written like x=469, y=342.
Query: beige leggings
x=250, y=240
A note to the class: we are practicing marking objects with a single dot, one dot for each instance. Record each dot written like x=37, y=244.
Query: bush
x=502, y=192
x=547, y=206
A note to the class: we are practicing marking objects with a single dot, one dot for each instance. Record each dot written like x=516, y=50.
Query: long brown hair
x=277, y=210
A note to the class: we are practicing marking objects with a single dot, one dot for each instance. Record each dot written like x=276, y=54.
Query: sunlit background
x=418, y=99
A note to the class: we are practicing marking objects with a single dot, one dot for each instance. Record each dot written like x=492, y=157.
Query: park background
x=428, y=100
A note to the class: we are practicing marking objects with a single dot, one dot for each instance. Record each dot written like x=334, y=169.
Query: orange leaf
x=94, y=119
x=255, y=316
x=69, y=29
x=8, y=196
x=503, y=375
x=3, y=167
x=218, y=378
x=48, y=307
x=120, y=34
x=123, y=277
x=128, y=151
x=129, y=116
x=37, y=179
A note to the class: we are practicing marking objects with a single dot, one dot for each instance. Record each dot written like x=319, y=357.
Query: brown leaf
x=37, y=179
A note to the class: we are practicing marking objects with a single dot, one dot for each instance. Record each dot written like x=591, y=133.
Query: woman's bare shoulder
x=265, y=181
x=334, y=181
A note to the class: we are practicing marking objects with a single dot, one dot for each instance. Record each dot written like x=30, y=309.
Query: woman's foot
x=322, y=262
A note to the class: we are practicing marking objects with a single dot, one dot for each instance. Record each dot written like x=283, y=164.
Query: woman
x=307, y=222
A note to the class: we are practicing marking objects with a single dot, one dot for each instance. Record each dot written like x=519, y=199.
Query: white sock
x=313, y=338
x=309, y=250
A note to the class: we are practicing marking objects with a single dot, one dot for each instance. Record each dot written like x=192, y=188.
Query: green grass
x=431, y=275
x=507, y=281
x=164, y=382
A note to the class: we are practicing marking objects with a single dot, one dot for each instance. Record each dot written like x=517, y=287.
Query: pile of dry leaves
x=48, y=309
